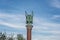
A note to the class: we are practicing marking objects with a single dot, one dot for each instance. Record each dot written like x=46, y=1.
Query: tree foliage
x=20, y=37
x=2, y=36
x=10, y=38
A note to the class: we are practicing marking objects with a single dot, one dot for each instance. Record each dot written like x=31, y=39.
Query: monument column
x=29, y=22
x=29, y=29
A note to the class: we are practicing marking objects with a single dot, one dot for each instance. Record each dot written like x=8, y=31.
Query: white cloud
x=11, y=20
x=11, y=25
x=41, y=24
x=55, y=3
x=55, y=17
x=39, y=37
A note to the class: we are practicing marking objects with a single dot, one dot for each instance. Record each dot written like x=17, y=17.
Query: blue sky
x=46, y=18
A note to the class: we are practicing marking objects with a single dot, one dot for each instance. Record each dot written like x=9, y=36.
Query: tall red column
x=29, y=29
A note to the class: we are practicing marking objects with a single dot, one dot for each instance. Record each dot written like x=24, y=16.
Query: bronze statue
x=29, y=18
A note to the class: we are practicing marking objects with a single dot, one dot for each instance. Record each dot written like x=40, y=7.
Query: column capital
x=29, y=26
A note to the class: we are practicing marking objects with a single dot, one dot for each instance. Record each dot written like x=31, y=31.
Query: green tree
x=2, y=36
x=10, y=38
x=20, y=37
